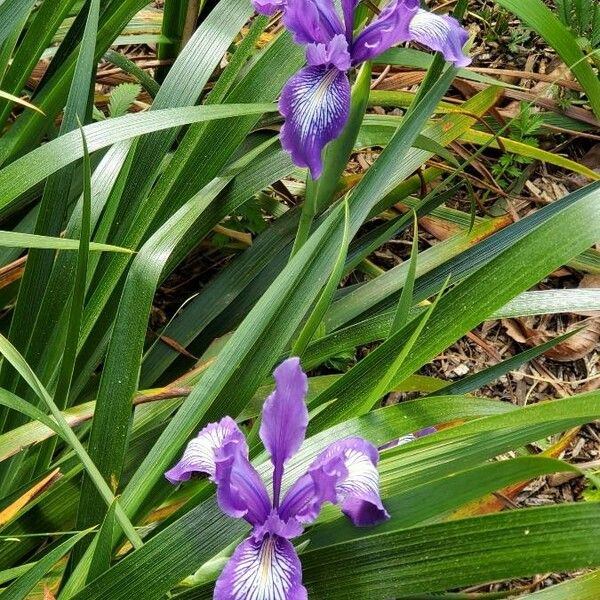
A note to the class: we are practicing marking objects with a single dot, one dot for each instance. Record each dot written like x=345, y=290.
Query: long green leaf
x=540, y=18
x=110, y=430
x=19, y=589
x=316, y=316
x=461, y=553
x=478, y=380
x=18, y=363
x=24, y=173
x=537, y=254
x=15, y=239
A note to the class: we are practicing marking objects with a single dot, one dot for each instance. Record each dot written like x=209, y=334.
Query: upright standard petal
x=268, y=7
x=240, y=490
x=199, y=456
x=348, y=7
x=315, y=104
x=345, y=473
x=390, y=28
x=441, y=33
x=312, y=21
x=267, y=568
x=285, y=418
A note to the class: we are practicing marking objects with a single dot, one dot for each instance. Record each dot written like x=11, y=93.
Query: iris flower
x=265, y=566
x=316, y=101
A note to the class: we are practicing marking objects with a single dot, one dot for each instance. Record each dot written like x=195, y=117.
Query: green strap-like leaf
x=11, y=354
x=456, y=554
x=19, y=589
x=34, y=167
x=535, y=14
x=15, y=239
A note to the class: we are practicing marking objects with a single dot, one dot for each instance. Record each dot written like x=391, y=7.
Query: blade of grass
x=61, y=393
x=11, y=354
x=14, y=239
x=316, y=316
x=52, y=212
x=406, y=297
x=19, y=101
x=27, y=171
x=20, y=588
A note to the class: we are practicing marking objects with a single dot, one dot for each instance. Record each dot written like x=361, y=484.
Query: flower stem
x=309, y=211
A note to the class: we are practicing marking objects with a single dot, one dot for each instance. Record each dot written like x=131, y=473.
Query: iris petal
x=266, y=568
x=441, y=33
x=390, y=28
x=316, y=104
x=240, y=490
x=267, y=7
x=358, y=492
x=220, y=451
x=312, y=21
x=199, y=456
x=285, y=417
x=334, y=54
x=345, y=473
x=348, y=7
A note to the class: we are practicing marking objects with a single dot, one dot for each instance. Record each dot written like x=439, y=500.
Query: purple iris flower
x=265, y=566
x=411, y=437
x=316, y=101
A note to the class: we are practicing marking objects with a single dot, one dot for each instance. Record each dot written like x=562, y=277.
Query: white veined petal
x=363, y=477
x=267, y=569
x=200, y=453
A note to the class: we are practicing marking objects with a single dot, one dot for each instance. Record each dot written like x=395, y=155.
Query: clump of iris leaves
x=105, y=205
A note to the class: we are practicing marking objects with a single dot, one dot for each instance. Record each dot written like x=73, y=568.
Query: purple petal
x=333, y=54
x=348, y=7
x=426, y=431
x=275, y=525
x=285, y=417
x=312, y=21
x=199, y=456
x=390, y=28
x=411, y=437
x=441, y=33
x=358, y=491
x=240, y=490
x=346, y=474
x=266, y=568
x=305, y=498
x=267, y=7
x=316, y=104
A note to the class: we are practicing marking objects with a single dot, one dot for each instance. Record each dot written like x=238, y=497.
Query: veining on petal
x=441, y=33
x=316, y=104
x=266, y=569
